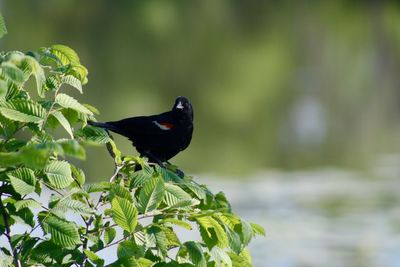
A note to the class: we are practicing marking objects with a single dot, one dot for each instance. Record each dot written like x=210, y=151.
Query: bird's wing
x=148, y=125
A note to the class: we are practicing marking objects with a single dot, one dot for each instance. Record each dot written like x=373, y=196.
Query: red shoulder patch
x=167, y=125
x=164, y=125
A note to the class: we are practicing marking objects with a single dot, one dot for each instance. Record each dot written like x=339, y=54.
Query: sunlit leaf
x=63, y=232
x=63, y=121
x=151, y=195
x=124, y=214
x=67, y=101
x=23, y=180
x=59, y=174
x=23, y=111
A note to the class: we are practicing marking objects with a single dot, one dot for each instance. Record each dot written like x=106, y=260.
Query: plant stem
x=51, y=107
x=16, y=260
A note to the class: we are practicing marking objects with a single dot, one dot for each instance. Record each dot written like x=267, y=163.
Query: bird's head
x=183, y=106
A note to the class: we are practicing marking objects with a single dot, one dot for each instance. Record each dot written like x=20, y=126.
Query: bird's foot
x=175, y=169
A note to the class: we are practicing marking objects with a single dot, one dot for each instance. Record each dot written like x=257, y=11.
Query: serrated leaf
x=151, y=195
x=246, y=232
x=117, y=190
x=139, y=178
x=158, y=235
x=198, y=191
x=23, y=111
x=93, y=135
x=38, y=72
x=174, y=195
x=97, y=187
x=196, y=254
x=22, y=180
x=79, y=176
x=124, y=214
x=220, y=257
x=178, y=223
x=109, y=235
x=128, y=248
x=63, y=121
x=67, y=101
x=257, y=229
x=59, y=174
x=94, y=258
x=24, y=215
x=27, y=203
x=66, y=54
x=63, y=232
x=72, y=81
x=234, y=240
x=70, y=204
x=214, y=232
x=12, y=73
x=239, y=261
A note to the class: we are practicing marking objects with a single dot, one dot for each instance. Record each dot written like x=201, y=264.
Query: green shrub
x=137, y=210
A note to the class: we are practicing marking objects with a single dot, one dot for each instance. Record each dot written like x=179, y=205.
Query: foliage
x=138, y=209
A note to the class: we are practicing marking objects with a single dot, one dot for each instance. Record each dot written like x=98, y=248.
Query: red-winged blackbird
x=158, y=137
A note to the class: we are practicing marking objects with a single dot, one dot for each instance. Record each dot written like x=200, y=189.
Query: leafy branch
x=137, y=209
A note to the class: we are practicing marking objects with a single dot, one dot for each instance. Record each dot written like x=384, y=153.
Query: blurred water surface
x=329, y=218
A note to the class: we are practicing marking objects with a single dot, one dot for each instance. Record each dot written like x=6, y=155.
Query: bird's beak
x=179, y=106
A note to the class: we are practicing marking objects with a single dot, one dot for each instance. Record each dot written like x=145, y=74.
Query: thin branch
x=16, y=260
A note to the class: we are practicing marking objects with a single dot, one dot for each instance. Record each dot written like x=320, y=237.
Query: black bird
x=158, y=137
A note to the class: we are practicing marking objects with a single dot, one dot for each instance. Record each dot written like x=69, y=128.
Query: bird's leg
x=153, y=158
x=173, y=168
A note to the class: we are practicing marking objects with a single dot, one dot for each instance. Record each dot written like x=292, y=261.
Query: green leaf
x=27, y=203
x=94, y=258
x=177, y=222
x=97, y=187
x=212, y=232
x=70, y=204
x=67, y=101
x=138, y=178
x=38, y=72
x=109, y=235
x=79, y=176
x=117, y=190
x=151, y=195
x=128, y=248
x=239, y=261
x=72, y=148
x=93, y=135
x=24, y=215
x=66, y=54
x=158, y=236
x=257, y=229
x=23, y=111
x=22, y=180
x=72, y=81
x=176, y=197
x=12, y=73
x=46, y=251
x=63, y=232
x=246, y=232
x=124, y=214
x=3, y=29
x=196, y=254
x=63, y=121
x=220, y=257
x=59, y=174
x=234, y=240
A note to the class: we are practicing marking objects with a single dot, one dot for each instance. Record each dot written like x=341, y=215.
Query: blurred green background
x=274, y=85
x=308, y=88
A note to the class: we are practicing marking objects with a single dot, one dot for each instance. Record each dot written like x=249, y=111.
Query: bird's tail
x=103, y=125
